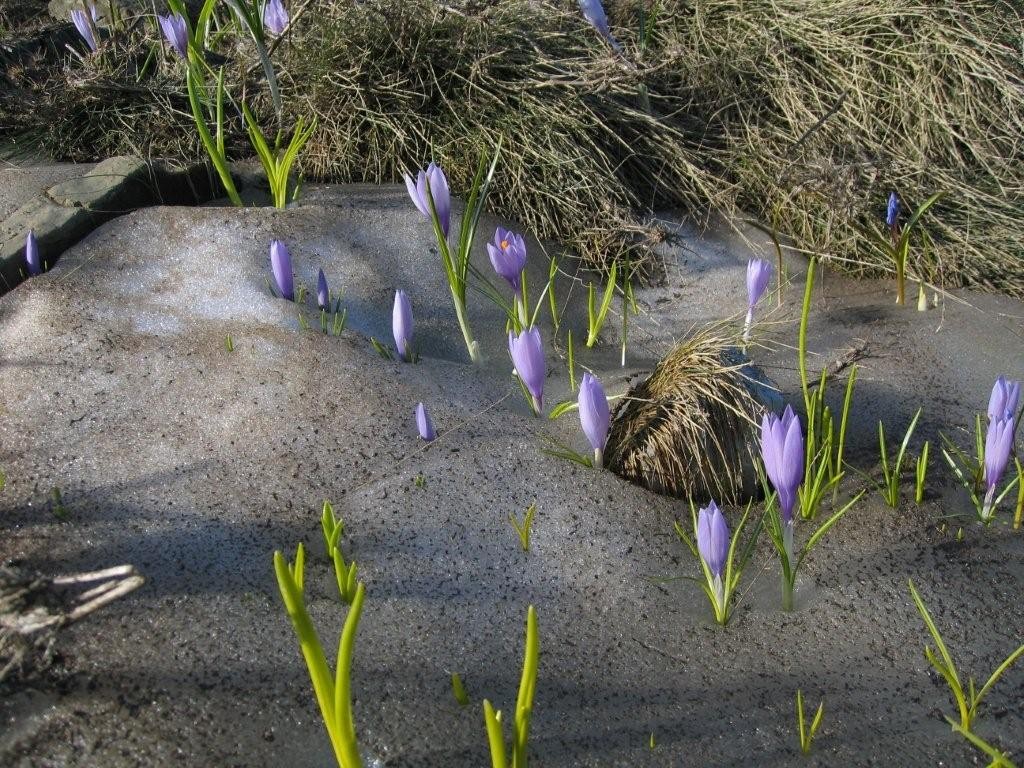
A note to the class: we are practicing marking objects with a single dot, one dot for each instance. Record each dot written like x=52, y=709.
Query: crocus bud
x=1003, y=400
x=508, y=256
x=32, y=262
x=594, y=415
x=176, y=31
x=713, y=538
x=275, y=17
x=892, y=210
x=323, y=294
x=593, y=11
x=401, y=325
x=527, y=350
x=782, y=450
x=424, y=424
x=998, y=443
x=281, y=266
x=759, y=272
x=85, y=25
x=434, y=178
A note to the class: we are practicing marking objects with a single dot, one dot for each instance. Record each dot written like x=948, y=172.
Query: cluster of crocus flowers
x=508, y=257
x=431, y=184
x=85, y=23
x=595, y=417
x=527, y=351
x=176, y=32
x=424, y=424
x=593, y=12
x=1002, y=408
x=713, y=546
x=401, y=326
x=281, y=267
x=759, y=272
x=782, y=451
x=275, y=17
x=32, y=262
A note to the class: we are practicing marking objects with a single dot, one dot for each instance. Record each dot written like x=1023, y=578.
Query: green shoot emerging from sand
x=721, y=598
x=967, y=700
x=523, y=529
x=921, y=473
x=333, y=692
x=278, y=164
x=898, y=245
x=892, y=473
x=597, y=315
x=807, y=733
x=524, y=706
x=999, y=759
x=333, y=529
x=824, y=453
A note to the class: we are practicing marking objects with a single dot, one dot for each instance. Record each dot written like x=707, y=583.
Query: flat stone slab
x=21, y=183
x=194, y=464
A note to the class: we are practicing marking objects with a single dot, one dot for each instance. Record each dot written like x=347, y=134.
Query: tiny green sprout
x=552, y=303
x=524, y=528
x=892, y=473
x=459, y=690
x=339, y=321
x=596, y=316
x=572, y=363
x=1019, y=514
x=300, y=294
x=333, y=691
x=303, y=323
x=921, y=473
x=381, y=349
x=229, y=343
x=59, y=510
x=3, y=480
x=345, y=574
x=651, y=742
x=524, y=706
x=999, y=759
x=420, y=481
x=960, y=534
x=806, y=733
x=967, y=700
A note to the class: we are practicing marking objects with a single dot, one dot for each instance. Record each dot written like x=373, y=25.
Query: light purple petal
x=176, y=32
x=713, y=538
x=401, y=324
x=508, y=256
x=759, y=272
x=594, y=415
x=442, y=196
x=323, y=293
x=281, y=266
x=275, y=17
x=85, y=29
x=1004, y=398
x=424, y=423
x=414, y=193
x=32, y=261
x=998, y=443
x=527, y=352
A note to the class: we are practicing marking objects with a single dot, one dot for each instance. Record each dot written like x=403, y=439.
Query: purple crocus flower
x=32, y=262
x=176, y=31
x=438, y=183
x=593, y=11
x=759, y=272
x=401, y=325
x=527, y=350
x=713, y=539
x=86, y=26
x=424, y=424
x=281, y=266
x=508, y=256
x=1003, y=401
x=323, y=293
x=275, y=17
x=782, y=450
x=998, y=443
x=892, y=211
x=594, y=415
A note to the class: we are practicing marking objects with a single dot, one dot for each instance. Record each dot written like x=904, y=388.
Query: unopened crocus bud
x=892, y=213
x=508, y=256
x=593, y=11
x=275, y=17
x=594, y=415
x=998, y=443
x=713, y=538
x=1003, y=400
x=527, y=351
x=782, y=450
x=759, y=272
x=434, y=178
x=176, y=31
x=401, y=325
x=323, y=293
x=32, y=261
x=424, y=424
x=86, y=26
x=281, y=266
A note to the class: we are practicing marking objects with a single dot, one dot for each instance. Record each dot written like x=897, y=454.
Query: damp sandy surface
x=194, y=464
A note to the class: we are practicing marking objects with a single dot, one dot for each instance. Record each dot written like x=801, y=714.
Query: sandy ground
x=195, y=464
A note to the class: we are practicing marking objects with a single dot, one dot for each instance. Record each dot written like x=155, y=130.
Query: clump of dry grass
x=804, y=114
x=688, y=429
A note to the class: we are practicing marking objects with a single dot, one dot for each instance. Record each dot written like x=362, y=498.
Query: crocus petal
x=442, y=196
x=176, y=32
x=275, y=17
x=782, y=451
x=32, y=262
x=85, y=29
x=593, y=11
x=323, y=293
x=508, y=256
x=998, y=443
x=713, y=538
x=1004, y=398
x=424, y=424
x=414, y=193
x=759, y=272
x=892, y=210
x=281, y=265
x=594, y=415
x=401, y=324
x=527, y=350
